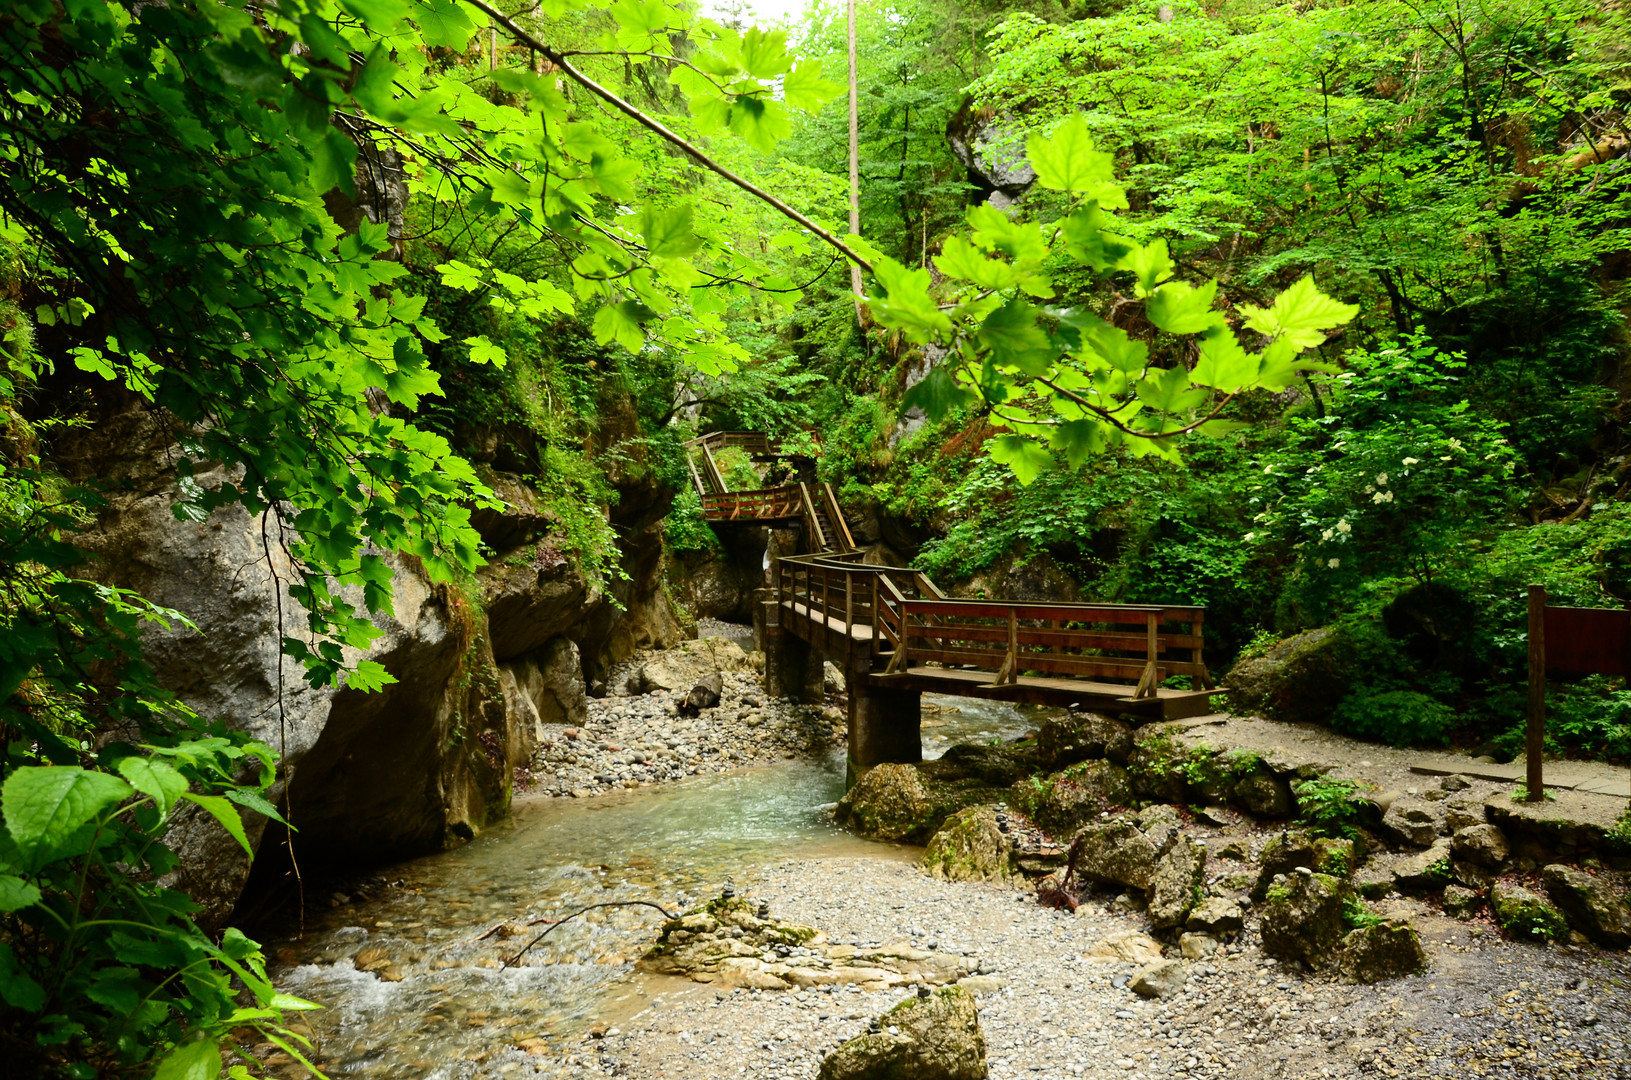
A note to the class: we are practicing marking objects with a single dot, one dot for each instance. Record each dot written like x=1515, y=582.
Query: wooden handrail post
x=1009, y=672
x=849, y=601
x=1147, y=681
x=826, y=593
x=876, y=628
x=1536, y=742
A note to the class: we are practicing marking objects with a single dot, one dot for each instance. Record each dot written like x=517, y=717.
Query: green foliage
x=686, y=529
x=1329, y=807
x=1357, y=915
x=1396, y=717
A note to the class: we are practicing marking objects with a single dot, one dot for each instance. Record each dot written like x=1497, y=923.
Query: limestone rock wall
x=427, y=761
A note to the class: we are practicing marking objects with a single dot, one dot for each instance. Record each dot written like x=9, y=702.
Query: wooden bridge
x=896, y=635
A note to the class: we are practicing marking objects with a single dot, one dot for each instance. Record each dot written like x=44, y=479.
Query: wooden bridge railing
x=913, y=622
x=765, y=503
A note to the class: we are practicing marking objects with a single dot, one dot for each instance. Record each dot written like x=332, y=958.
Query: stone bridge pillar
x=884, y=725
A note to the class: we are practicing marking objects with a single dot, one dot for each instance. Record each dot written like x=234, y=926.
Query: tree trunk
x=854, y=164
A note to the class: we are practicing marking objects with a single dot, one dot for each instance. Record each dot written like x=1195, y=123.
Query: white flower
x=1455, y=444
x=1325, y=537
x=1382, y=497
x=1412, y=461
x=1312, y=471
x=1381, y=479
x=1333, y=563
x=1344, y=528
x=1369, y=488
x=1251, y=536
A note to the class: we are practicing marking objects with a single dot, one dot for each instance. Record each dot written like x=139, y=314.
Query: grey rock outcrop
x=1116, y=852
x=932, y=1037
x=1413, y=823
x=1302, y=919
x=1300, y=679
x=1425, y=871
x=1483, y=844
x=1590, y=906
x=1387, y=950
x=970, y=846
x=1177, y=884
x=1078, y=736
x=689, y=663
x=1216, y=916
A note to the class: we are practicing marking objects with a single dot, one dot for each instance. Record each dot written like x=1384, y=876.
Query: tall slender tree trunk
x=854, y=163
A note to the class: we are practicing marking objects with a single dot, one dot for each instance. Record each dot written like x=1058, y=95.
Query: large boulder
x=889, y=803
x=1178, y=884
x=689, y=663
x=1065, y=801
x=1424, y=871
x=1590, y=905
x=1300, y=679
x=1303, y=917
x=926, y=1037
x=1117, y=853
x=908, y=803
x=1523, y=914
x=1082, y=736
x=1482, y=844
x=1413, y=823
x=1385, y=950
x=971, y=846
x=1216, y=916
x=1295, y=848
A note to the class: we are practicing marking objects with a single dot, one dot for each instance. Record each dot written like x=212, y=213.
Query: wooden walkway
x=895, y=629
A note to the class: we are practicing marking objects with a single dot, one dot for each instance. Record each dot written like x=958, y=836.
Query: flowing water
x=439, y=1001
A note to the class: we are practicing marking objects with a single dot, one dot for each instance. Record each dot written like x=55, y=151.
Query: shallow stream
x=437, y=1000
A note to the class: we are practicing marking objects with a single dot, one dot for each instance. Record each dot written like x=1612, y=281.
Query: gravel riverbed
x=632, y=740
x=1486, y=1007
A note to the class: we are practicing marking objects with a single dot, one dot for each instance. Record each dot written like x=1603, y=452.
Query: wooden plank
x=1069, y=639
x=1084, y=613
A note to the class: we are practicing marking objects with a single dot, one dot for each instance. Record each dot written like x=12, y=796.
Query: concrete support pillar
x=793, y=669
x=884, y=725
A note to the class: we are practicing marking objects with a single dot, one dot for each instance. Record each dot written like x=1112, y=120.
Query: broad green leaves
x=1063, y=380
x=47, y=807
x=191, y=1061
x=1066, y=161
x=1300, y=315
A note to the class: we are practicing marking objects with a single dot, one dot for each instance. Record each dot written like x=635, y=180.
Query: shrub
x=1396, y=717
x=1327, y=806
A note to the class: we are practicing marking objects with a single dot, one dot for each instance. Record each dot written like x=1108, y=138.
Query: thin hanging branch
x=556, y=923
x=650, y=123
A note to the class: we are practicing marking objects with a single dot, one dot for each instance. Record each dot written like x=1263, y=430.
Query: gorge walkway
x=896, y=635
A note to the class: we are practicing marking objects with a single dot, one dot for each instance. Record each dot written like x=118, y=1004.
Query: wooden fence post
x=1536, y=743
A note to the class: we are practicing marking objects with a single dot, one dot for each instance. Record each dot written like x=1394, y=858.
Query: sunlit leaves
x=1301, y=315
x=1150, y=264
x=1025, y=456
x=1066, y=161
x=1179, y=308
x=622, y=323
x=902, y=300
x=804, y=88
x=939, y=394
x=668, y=231
x=1223, y=363
x=47, y=809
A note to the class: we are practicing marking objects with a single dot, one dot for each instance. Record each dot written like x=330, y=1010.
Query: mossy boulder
x=1523, y=914
x=908, y=803
x=1116, y=852
x=1156, y=767
x=1590, y=906
x=1178, y=884
x=1303, y=917
x=935, y=1037
x=998, y=765
x=1300, y=679
x=1078, y=736
x=1064, y=801
x=971, y=846
x=1384, y=950
x=1296, y=847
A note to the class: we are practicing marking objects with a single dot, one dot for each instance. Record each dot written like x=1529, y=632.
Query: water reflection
x=412, y=966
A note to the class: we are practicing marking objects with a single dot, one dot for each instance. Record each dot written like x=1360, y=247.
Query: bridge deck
x=894, y=629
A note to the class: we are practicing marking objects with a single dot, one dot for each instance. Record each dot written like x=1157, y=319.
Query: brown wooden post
x=877, y=632
x=1011, y=665
x=849, y=602
x=1147, y=681
x=1536, y=749
x=826, y=591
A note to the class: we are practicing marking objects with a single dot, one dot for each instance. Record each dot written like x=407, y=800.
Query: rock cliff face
x=427, y=761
